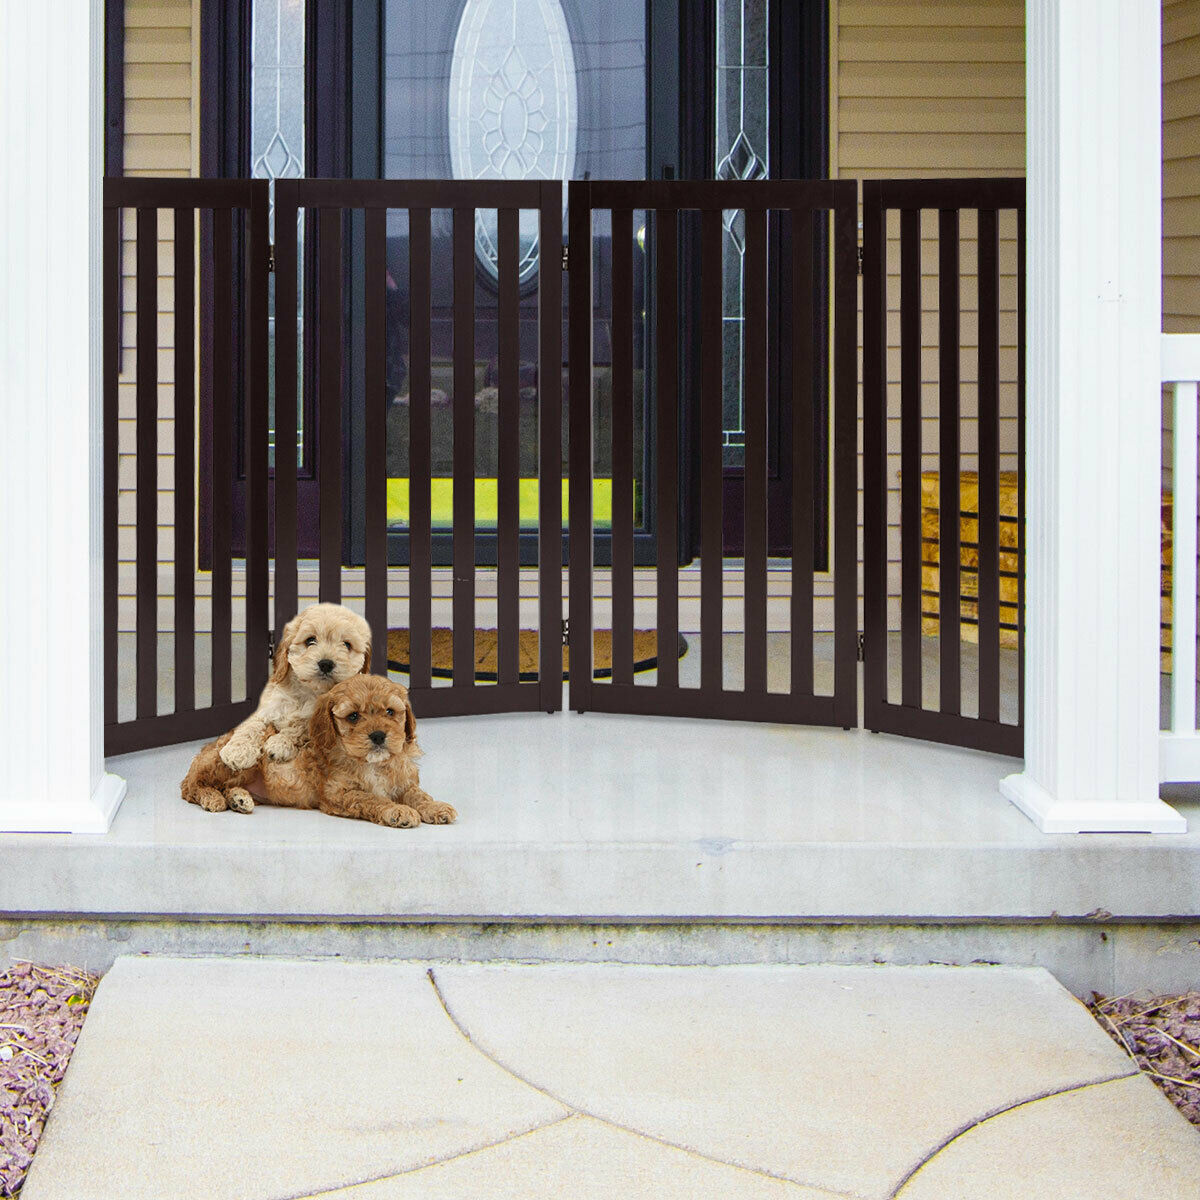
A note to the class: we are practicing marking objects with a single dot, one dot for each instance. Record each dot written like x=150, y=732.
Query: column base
x=1083, y=816
x=93, y=815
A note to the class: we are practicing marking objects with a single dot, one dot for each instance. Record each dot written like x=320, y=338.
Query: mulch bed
x=1162, y=1035
x=41, y=1013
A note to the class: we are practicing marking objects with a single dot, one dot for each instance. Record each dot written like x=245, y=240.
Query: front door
x=626, y=89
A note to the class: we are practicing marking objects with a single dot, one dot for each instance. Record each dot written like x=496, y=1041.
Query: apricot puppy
x=360, y=760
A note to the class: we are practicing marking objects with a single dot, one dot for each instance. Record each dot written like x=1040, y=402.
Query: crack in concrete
x=437, y=1162
x=583, y=1112
x=999, y=1112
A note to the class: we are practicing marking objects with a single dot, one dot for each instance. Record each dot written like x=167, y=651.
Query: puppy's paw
x=239, y=754
x=210, y=800
x=280, y=748
x=400, y=816
x=436, y=813
x=239, y=800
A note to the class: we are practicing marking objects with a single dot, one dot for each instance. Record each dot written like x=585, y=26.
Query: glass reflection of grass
x=442, y=501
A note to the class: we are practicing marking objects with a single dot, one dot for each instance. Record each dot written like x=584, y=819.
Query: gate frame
x=909, y=718
x=840, y=198
x=187, y=197
x=330, y=197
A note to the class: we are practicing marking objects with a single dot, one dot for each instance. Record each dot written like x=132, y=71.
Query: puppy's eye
x=353, y=718
x=348, y=647
x=390, y=713
x=312, y=641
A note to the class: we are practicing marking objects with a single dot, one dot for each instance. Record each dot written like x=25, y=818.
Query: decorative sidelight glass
x=742, y=151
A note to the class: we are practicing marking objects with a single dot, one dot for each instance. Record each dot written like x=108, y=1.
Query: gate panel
x=225, y=208
x=947, y=666
x=340, y=207
x=772, y=691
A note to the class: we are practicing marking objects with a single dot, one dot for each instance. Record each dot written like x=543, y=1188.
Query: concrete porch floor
x=650, y=839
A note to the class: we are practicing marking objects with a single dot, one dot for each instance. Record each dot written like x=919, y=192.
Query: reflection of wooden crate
x=1164, y=603
x=969, y=559
x=969, y=556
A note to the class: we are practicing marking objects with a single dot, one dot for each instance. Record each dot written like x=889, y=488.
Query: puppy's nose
x=379, y=736
x=326, y=665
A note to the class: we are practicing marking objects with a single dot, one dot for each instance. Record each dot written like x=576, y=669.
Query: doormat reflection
x=645, y=653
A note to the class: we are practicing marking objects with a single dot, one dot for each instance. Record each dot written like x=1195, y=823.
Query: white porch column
x=51, y=162
x=1093, y=417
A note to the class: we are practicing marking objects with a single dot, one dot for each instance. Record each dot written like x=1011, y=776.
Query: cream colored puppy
x=320, y=646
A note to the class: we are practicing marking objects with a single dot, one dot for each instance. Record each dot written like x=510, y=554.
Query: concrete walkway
x=260, y=1079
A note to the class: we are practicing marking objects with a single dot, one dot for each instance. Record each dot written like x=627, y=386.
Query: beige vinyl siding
x=934, y=90
x=161, y=120
x=1181, y=166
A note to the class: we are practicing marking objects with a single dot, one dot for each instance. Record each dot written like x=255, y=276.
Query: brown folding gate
x=250, y=584
x=943, y=459
x=331, y=206
x=781, y=681
x=155, y=575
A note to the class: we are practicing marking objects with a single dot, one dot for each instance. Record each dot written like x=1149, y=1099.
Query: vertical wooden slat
x=712, y=245
x=464, y=447
x=667, y=400
x=112, y=366
x=910, y=457
x=989, y=467
x=581, y=458
x=949, y=499
x=286, y=384
x=803, y=450
x=508, y=450
x=754, y=361
x=147, y=462
x=222, y=455
x=185, y=433
x=874, y=464
x=420, y=541
x=550, y=514
x=256, y=431
x=622, y=446
x=845, y=457
x=375, y=418
x=329, y=402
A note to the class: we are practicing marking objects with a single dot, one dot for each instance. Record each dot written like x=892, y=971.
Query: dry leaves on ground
x=41, y=1013
x=1162, y=1035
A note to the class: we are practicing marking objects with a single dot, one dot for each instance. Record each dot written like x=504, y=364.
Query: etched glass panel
x=741, y=152
x=277, y=146
x=513, y=107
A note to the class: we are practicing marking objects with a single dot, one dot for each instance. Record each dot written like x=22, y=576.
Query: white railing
x=1179, y=746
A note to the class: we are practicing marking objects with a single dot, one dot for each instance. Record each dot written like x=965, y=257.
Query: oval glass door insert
x=514, y=110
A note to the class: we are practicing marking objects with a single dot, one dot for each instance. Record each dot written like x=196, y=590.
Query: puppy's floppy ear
x=410, y=723
x=322, y=728
x=365, y=669
x=281, y=664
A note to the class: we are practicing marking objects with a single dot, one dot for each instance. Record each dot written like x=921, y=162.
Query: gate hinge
x=565, y=257
x=566, y=632
x=271, y=258
x=270, y=643
x=862, y=647
x=860, y=259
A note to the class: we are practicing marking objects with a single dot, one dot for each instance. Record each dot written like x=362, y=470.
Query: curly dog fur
x=360, y=760
x=319, y=647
